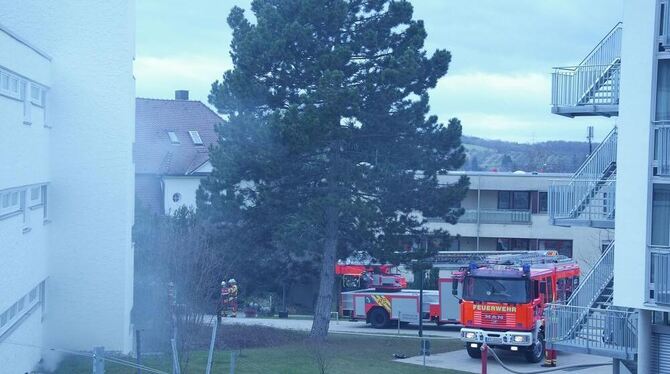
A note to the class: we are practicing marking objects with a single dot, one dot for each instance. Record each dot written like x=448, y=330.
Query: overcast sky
x=498, y=83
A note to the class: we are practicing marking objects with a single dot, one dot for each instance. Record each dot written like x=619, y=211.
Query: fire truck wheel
x=379, y=318
x=535, y=353
x=473, y=352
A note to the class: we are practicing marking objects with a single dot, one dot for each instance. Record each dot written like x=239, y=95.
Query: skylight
x=173, y=137
x=195, y=136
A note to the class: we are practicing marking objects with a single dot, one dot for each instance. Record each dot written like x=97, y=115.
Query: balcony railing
x=662, y=148
x=496, y=216
x=601, y=160
x=659, y=275
x=596, y=281
x=610, y=332
x=583, y=202
x=591, y=87
x=586, y=85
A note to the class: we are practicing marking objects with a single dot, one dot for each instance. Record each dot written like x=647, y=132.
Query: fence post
x=211, y=347
x=98, y=360
x=138, y=349
x=233, y=361
x=176, y=369
x=485, y=357
x=399, y=318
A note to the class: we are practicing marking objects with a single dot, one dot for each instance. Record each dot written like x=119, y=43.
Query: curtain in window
x=660, y=215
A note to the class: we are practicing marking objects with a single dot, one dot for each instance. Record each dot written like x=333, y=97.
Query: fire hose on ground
x=485, y=352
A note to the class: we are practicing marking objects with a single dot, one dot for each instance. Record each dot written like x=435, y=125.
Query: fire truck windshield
x=502, y=290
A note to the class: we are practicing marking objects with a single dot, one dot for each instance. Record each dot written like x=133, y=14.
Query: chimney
x=181, y=95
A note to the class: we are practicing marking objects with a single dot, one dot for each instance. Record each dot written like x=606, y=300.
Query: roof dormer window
x=173, y=137
x=195, y=136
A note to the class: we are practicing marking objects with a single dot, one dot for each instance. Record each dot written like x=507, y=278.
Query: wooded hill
x=498, y=155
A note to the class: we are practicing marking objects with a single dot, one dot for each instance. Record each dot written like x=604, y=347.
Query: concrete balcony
x=496, y=216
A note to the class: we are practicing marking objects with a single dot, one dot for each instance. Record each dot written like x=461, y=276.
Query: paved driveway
x=459, y=360
x=348, y=327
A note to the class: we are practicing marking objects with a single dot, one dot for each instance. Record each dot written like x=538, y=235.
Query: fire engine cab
x=503, y=300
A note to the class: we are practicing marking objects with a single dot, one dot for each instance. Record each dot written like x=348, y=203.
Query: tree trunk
x=324, y=301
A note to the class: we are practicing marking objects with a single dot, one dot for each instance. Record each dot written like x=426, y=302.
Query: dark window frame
x=511, y=200
x=543, y=202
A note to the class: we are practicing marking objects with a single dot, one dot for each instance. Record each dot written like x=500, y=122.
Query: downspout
x=479, y=198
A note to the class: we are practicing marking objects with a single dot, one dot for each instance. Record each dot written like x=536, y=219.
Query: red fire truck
x=381, y=277
x=382, y=305
x=503, y=300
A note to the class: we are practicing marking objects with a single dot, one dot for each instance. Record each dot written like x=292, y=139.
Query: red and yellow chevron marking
x=383, y=302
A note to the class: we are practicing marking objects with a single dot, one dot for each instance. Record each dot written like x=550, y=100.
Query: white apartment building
x=509, y=212
x=622, y=309
x=66, y=177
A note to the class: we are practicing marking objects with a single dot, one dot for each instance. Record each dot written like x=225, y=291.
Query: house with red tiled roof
x=172, y=139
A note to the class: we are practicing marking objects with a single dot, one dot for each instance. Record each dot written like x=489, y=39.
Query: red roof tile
x=154, y=118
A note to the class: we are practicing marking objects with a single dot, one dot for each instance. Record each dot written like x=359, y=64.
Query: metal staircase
x=587, y=199
x=589, y=323
x=592, y=87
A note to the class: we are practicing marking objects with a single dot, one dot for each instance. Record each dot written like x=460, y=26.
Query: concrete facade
x=644, y=48
x=534, y=227
x=634, y=152
x=67, y=156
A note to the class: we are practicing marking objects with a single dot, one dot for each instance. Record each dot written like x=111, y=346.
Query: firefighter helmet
x=232, y=281
x=223, y=283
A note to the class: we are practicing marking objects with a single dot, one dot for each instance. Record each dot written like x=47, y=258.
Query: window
x=504, y=200
x=663, y=91
x=507, y=244
x=176, y=197
x=490, y=289
x=12, y=311
x=37, y=95
x=10, y=85
x=660, y=215
x=173, y=137
x=543, y=198
x=23, y=305
x=35, y=194
x=514, y=200
x=521, y=200
x=195, y=137
x=10, y=202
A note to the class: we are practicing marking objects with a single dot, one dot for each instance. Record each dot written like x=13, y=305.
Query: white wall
x=633, y=159
x=24, y=238
x=91, y=109
x=185, y=186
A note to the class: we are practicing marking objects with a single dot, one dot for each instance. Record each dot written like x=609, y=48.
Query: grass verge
x=291, y=354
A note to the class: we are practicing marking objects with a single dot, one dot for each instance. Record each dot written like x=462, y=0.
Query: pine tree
x=327, y=146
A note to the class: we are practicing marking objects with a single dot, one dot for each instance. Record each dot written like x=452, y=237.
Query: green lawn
x=341, y=354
